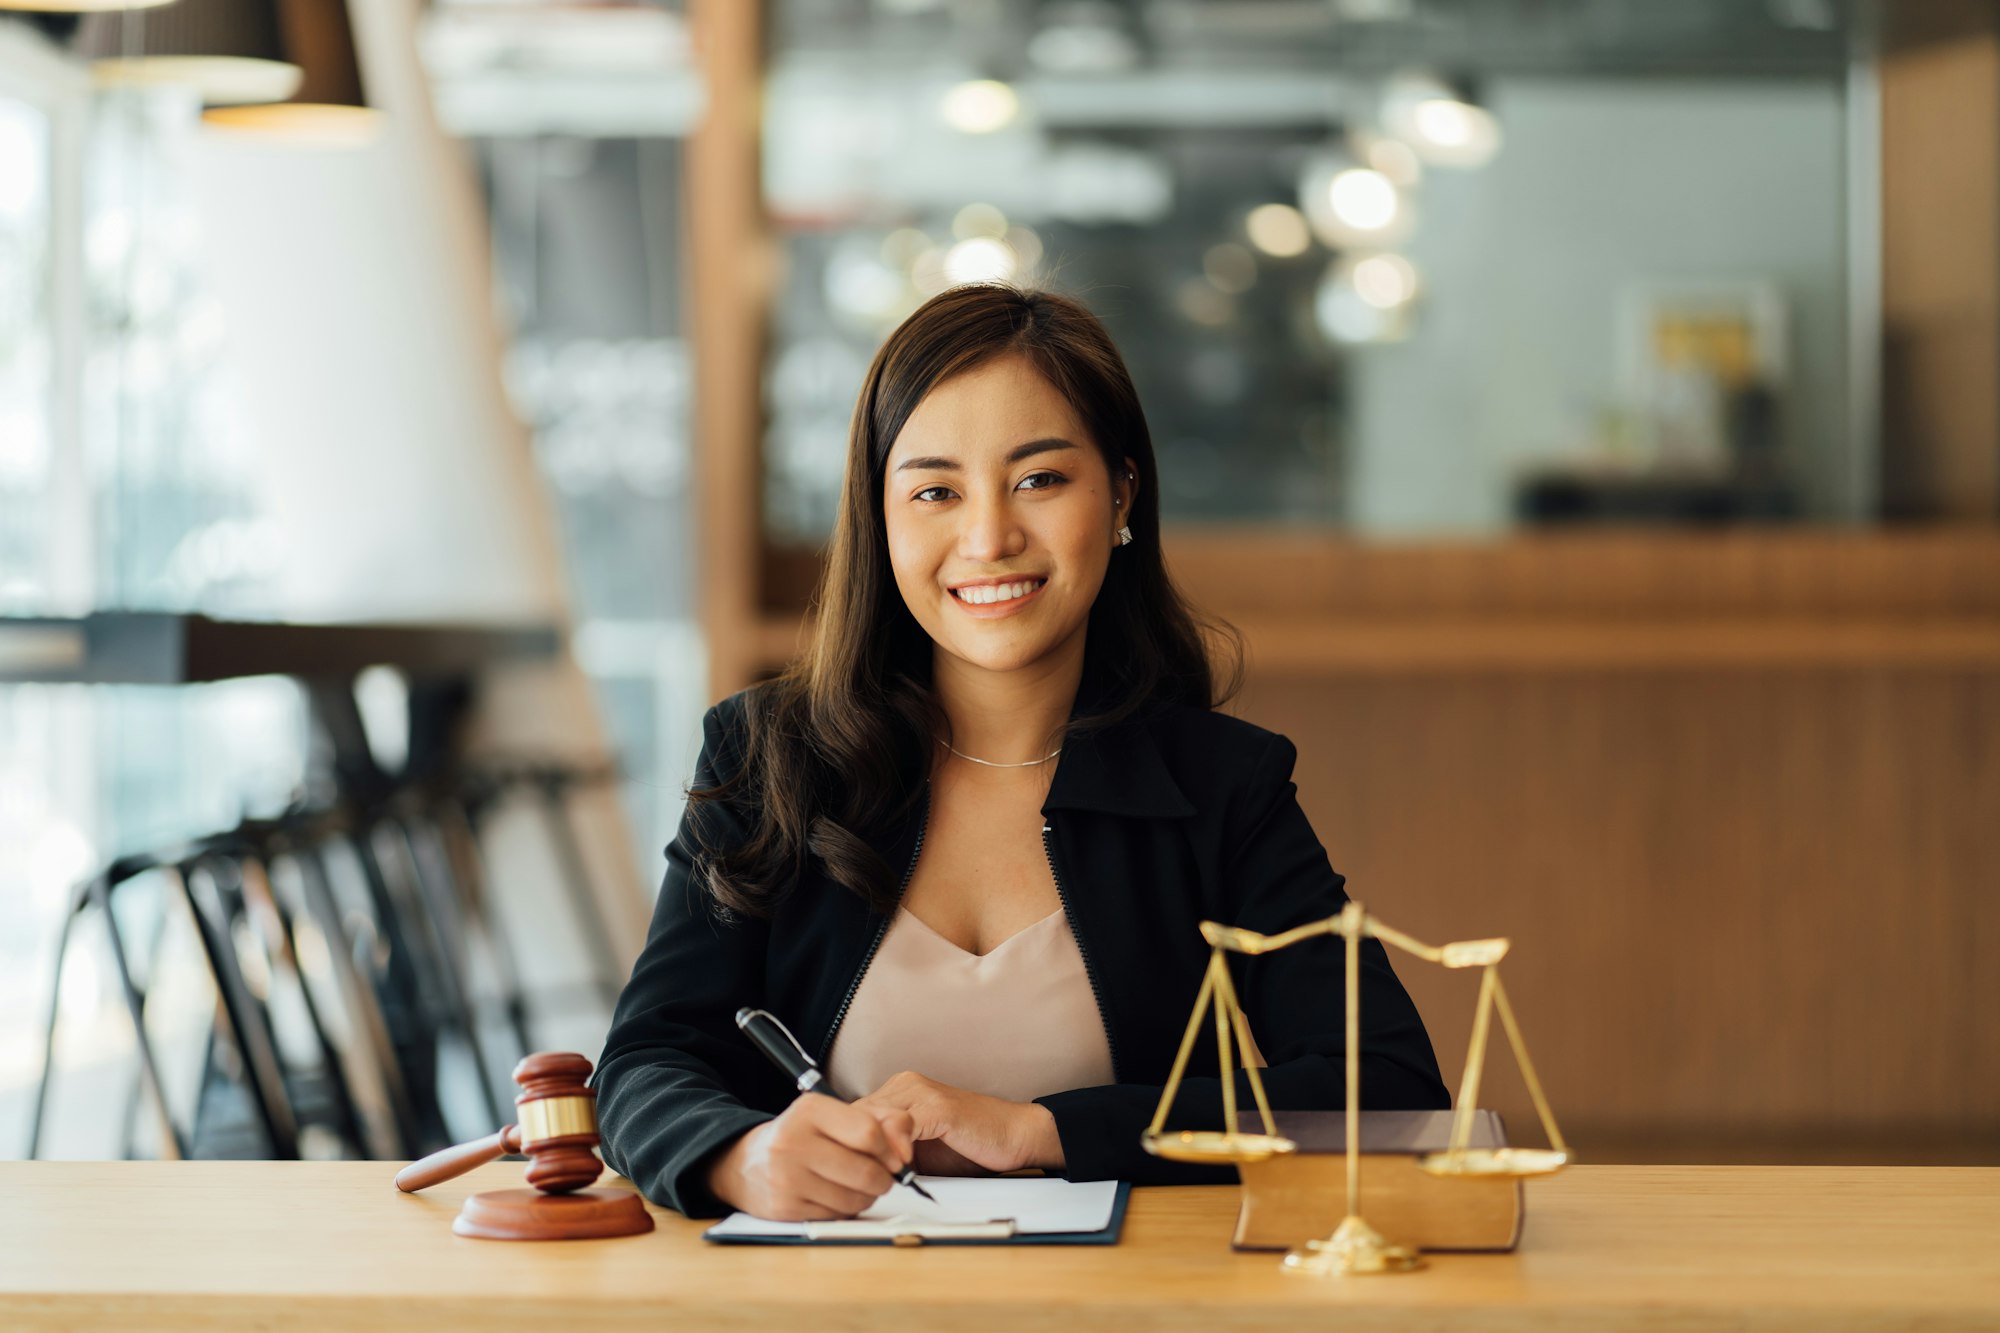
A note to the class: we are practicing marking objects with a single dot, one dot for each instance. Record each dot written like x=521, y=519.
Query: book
x=1295, y=1197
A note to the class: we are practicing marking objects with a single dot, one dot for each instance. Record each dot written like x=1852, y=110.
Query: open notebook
x=995, y=1210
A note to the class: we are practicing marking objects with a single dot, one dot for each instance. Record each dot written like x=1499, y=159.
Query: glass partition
x=1377, y=266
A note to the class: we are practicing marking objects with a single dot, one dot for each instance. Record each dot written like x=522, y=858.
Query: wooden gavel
x=557, y=1129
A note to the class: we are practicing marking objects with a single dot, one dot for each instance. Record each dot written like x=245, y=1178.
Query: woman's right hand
x=822, y=1159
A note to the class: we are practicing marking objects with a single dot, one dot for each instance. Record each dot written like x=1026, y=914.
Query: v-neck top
x=1018, y=1022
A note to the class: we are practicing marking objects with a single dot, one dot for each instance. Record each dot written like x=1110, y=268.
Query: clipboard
x=910, y=1232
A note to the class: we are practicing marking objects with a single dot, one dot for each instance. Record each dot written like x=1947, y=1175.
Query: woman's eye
x=1034, y=481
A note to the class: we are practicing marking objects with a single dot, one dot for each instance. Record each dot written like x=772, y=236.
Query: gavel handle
x=442, y=1165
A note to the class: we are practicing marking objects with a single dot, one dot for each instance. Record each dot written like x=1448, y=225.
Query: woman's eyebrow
x=933, y=463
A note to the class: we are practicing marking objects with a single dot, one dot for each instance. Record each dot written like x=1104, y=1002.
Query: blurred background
x=413, y=414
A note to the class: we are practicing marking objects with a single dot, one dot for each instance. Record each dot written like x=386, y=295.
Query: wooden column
x=1940, y=98
x=729, y=266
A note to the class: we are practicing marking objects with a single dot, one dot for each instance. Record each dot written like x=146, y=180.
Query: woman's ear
x=1125, y=486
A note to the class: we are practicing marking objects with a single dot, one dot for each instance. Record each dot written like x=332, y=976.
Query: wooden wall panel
x=1754, y=913
x=1270, y=573
x=1626, y=575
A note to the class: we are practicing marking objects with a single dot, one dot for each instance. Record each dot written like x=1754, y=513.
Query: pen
x=775, y=1040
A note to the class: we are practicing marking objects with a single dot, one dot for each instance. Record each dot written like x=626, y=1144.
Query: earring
x=1125, y=535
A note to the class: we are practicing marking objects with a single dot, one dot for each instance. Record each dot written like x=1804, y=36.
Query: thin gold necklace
x=1026, y=763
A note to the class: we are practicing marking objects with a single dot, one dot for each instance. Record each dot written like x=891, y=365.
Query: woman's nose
x=991, y=530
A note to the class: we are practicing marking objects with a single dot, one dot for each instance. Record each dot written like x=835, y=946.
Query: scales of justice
x=1355, y=1247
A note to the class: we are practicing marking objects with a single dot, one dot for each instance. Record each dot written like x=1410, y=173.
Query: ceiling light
x=1363, y=199
x=980, y=106
x=981, y=259
x=1444, y=124
x=1278, y=230
x=1350, y=204
x=231, y=52
x=247, y=60
x=1344, y=307
x=1385, y=281
x=79, y=6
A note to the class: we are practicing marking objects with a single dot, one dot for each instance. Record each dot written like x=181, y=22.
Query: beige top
x=1018, y=1022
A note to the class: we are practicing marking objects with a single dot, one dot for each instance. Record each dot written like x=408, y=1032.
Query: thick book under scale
x=1301, y=1196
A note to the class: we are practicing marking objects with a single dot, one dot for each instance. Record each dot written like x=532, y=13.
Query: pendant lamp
x=231, y=51
x=78, y=6
x=280, y=67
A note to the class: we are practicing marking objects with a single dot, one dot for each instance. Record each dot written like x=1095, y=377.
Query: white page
x=1038, y=1205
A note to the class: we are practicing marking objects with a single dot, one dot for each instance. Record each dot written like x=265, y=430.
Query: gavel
x=557, y=1129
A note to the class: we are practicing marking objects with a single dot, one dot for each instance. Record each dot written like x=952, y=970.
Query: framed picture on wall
x=1704, y=366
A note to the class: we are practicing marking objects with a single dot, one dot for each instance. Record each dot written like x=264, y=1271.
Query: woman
x=963, y=846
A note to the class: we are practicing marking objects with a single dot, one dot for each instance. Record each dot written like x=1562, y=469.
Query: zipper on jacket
x=1089, y=968
x=840, y=1014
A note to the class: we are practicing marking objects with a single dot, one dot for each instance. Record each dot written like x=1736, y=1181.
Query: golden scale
x=1355, y=1247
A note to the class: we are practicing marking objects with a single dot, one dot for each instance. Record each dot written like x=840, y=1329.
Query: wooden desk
x=237, y=1245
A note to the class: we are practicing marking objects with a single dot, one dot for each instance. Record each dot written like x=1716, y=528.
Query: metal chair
x=239, y=1012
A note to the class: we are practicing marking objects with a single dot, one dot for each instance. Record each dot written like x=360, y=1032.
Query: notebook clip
x=909, y=1230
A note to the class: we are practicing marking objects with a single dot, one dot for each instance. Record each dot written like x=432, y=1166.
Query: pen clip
x=813, y=1076
x=779, y=1023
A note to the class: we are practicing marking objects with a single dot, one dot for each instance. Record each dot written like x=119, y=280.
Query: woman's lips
x=996, y=610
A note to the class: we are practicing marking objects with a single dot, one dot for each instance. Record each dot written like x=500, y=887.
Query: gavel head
x=558, y=1121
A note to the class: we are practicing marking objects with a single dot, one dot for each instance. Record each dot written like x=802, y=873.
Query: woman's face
x=1001, y=517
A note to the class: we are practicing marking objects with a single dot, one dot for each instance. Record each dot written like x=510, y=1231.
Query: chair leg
x=407, y=1012
x=172, y=1140
x=135, y=1093
x=281, y=948
x=440, y=921
x=78, y=898
x=251, y=1035
x=371, y=1033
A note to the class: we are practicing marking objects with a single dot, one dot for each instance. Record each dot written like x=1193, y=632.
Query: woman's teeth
x=997, y=592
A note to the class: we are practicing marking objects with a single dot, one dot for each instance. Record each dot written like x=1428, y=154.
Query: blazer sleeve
x=673, y=1054
x=1294, y=1000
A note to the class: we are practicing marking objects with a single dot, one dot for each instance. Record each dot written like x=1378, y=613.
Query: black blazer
x=1150, y=826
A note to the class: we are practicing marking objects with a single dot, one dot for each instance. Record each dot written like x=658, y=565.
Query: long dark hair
x=837, y=744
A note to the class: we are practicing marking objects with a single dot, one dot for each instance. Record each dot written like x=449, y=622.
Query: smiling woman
x=980, y=526
x=964, y=845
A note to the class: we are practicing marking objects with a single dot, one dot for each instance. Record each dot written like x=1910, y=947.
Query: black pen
x=776, y=1041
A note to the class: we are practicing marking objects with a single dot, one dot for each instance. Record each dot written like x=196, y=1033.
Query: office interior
x=414, y=413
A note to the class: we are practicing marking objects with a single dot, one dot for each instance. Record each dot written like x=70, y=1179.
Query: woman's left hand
x=985, y=1132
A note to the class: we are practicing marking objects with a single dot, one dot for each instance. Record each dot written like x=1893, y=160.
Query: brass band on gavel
x=557, y=1117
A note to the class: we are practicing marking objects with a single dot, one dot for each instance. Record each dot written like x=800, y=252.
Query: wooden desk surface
x=229, y=1245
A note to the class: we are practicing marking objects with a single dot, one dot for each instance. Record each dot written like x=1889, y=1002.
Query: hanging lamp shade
x=231, y=51
x=78, y=6
x=283, y=67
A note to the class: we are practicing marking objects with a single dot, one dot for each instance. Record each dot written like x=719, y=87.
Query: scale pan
x=1215, y=1146
x=1495, y=1162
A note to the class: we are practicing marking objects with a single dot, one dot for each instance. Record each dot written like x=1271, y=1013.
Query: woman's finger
x=838, y=1199
x=860, y=1128
x=900, y=1127
x=850, y=1168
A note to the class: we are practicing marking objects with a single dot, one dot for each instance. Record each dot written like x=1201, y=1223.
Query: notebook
x=970, y=1210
